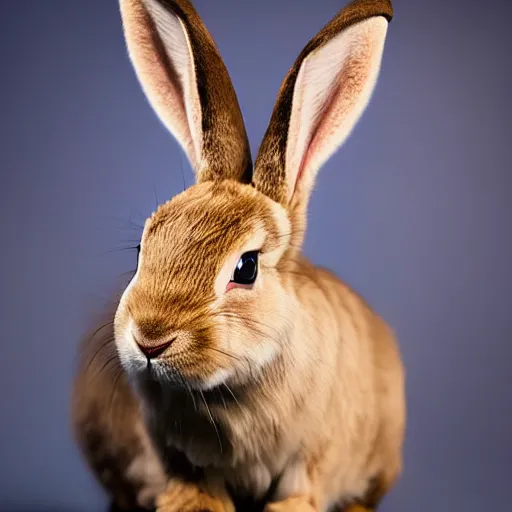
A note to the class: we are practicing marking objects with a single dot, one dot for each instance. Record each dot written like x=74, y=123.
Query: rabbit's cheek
x=216, y=379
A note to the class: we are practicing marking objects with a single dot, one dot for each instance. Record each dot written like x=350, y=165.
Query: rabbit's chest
x=248, y=453
x=247, y=446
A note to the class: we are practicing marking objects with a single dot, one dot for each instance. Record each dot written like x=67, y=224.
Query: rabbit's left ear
x=320, y=101
x=186, y=82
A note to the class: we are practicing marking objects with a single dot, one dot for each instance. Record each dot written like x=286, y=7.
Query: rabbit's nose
x=153, y=349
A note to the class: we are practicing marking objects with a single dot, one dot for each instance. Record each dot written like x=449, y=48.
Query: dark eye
x=246, y=269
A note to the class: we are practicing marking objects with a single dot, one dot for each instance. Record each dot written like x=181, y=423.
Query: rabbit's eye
x=246, y=269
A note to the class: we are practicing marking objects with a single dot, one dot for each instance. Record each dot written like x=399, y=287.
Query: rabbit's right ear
x=320, y=101
x=186, y=82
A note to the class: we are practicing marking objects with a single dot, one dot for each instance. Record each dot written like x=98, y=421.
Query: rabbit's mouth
x=186, y=360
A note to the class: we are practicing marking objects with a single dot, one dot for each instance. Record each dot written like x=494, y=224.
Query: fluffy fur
x=289, y=391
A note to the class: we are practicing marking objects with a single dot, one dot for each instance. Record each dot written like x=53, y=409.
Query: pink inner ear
x=165, y=70
x=318, y=133
x=332, y=90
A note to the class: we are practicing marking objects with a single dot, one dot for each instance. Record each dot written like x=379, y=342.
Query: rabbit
x=237, y=368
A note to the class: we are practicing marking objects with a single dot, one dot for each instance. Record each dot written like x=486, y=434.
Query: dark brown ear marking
x=269, y=169
x=225, y=142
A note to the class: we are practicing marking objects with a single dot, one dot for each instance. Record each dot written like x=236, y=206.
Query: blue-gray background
x=414, y=212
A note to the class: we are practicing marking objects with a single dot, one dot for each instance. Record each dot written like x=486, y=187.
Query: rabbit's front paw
x=188, y=497
x=293, y=504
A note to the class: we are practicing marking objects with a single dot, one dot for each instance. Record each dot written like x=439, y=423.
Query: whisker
x=183, y=173
x=104, y=343
x=100, y=328
x=132, y=225
x=108, y=361
x=222, y=398
x=119, y=249
x=115, y=383
x=191, y=394
x=212, y=421
x=232, y=394
x=227, y=354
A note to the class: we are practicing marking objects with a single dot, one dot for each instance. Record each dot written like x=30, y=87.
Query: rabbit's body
x=244, y=370
x=342, y=413
x=331, y=408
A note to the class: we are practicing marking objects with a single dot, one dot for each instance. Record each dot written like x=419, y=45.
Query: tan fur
x=187, y=497
x=293, y=504
x=290, y=390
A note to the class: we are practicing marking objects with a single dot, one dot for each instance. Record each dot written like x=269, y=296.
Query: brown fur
x=290, y=391
x=107, y=424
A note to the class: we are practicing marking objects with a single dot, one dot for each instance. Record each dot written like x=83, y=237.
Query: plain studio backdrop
x=414, y=212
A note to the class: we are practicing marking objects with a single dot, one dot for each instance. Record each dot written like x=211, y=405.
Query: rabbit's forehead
x=204, y=225
x=210, y=212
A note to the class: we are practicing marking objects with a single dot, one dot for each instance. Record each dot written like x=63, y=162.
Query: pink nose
x=152, y=351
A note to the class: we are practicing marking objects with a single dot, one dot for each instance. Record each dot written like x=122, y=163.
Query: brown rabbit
x=236, y=368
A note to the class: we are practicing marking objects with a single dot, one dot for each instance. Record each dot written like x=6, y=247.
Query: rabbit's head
x=212, y=300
